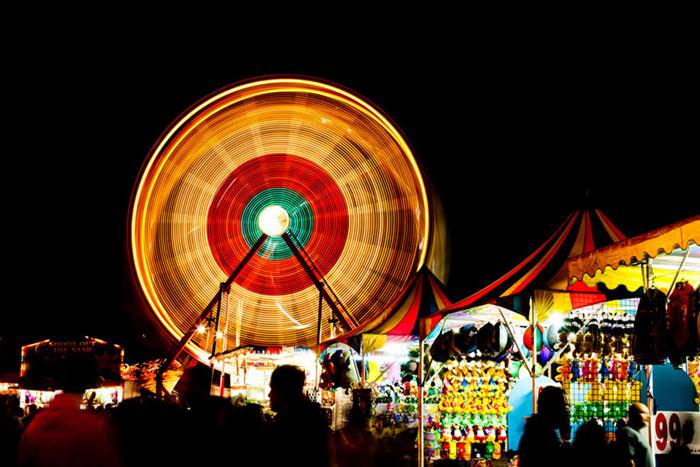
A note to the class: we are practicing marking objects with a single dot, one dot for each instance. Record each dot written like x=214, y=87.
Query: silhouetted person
x=146, y=429
x=540, y=444
x=631, y=441
x=32, y=410
x=299, y=433
x=10, y=430
x=62, y=435
x=680, y=453
x=207, y=417
x=590, y=447
x=354, y=444
x=194, y=386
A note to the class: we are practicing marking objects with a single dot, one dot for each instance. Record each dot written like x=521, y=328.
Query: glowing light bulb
x=274, y=220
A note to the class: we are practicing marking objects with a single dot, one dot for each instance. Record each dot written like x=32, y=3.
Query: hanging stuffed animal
x=409, y=371
x=564, y=375
x=328, y=372
x=336, y=370
x=679, y=325
x=575, y=371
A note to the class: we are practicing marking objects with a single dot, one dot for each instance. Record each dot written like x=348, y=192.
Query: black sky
x=512, y=138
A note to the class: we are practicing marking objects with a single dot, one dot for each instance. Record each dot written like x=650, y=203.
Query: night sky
x=513, y=141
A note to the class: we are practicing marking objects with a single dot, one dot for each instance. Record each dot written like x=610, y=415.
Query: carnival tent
x=672, y=251
x=423, y=295
x=543, y=274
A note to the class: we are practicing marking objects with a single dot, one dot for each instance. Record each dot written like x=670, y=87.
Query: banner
x=46, y=364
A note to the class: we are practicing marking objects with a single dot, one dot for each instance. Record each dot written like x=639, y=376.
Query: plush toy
x=575, y=371
x=579, y=412
x=445, y=442
x=579, y=344
x=459, y=442
x=564, y=375
x=468, y=440
x=336, y=370
x=604, y=372
x=480, y=434
x=409, y=371
x=594, y=395
x=607, y=344
x=694, y=373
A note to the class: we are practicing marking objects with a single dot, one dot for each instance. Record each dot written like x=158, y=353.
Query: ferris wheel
x=295, y=202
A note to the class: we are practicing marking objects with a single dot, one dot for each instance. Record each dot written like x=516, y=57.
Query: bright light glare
x=556, y=320
x=274, y=221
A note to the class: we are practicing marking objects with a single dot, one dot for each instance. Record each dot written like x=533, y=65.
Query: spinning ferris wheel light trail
x=276, y=189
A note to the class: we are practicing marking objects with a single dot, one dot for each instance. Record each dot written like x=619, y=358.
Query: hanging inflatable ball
x=527, y=338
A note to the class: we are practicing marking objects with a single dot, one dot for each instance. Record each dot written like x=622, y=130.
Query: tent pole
x=533, y=321
x=650, y=403
x=362, y=362
x=421, y=378
x=515, y=341
x=680, y=268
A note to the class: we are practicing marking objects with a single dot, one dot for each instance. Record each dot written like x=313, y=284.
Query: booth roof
x=478, y=315
x=668, y=243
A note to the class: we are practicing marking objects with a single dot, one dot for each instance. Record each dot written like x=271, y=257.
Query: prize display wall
x=466, y=398
x=598, y=371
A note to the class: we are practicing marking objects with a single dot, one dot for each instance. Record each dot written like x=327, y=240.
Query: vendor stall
x=594, y=363
x=537, y=288
x=389, y=353
x=391, y=372
x=470, y=371
x=249, y=370
x=46, y=364
x=663, y=268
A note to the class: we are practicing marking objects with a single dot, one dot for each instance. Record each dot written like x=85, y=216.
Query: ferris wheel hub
x=274, y=220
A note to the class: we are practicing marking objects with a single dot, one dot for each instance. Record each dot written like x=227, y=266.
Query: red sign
x=671, y=429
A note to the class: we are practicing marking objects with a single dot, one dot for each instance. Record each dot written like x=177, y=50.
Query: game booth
x=533, y=305
x=247, y=370
x=662, y=268
x=471, y=365
x=384, y=356
x=97, y=363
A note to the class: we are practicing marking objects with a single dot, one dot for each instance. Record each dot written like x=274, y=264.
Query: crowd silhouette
x=211, y=430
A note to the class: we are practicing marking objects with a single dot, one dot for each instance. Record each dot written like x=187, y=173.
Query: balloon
x=514, y=368
x=545, y=355
x=527, y=337
x=551, y=338
x=465, y=339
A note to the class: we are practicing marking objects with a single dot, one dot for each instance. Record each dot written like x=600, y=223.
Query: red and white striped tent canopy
x=543, y=275
x=424, y=295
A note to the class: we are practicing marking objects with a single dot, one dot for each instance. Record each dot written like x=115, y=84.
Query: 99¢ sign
x=671, y=429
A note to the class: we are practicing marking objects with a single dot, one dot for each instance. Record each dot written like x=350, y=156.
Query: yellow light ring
x=372, y=165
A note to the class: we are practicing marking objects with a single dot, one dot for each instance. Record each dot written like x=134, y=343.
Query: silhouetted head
x=590, y=437
x=553, y=405
x=286, y=387
x=79, y=374
x=638, y=414
x=688, y=431
x=194, y=385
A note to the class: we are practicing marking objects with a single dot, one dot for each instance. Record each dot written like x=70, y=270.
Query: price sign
x=671, y=429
